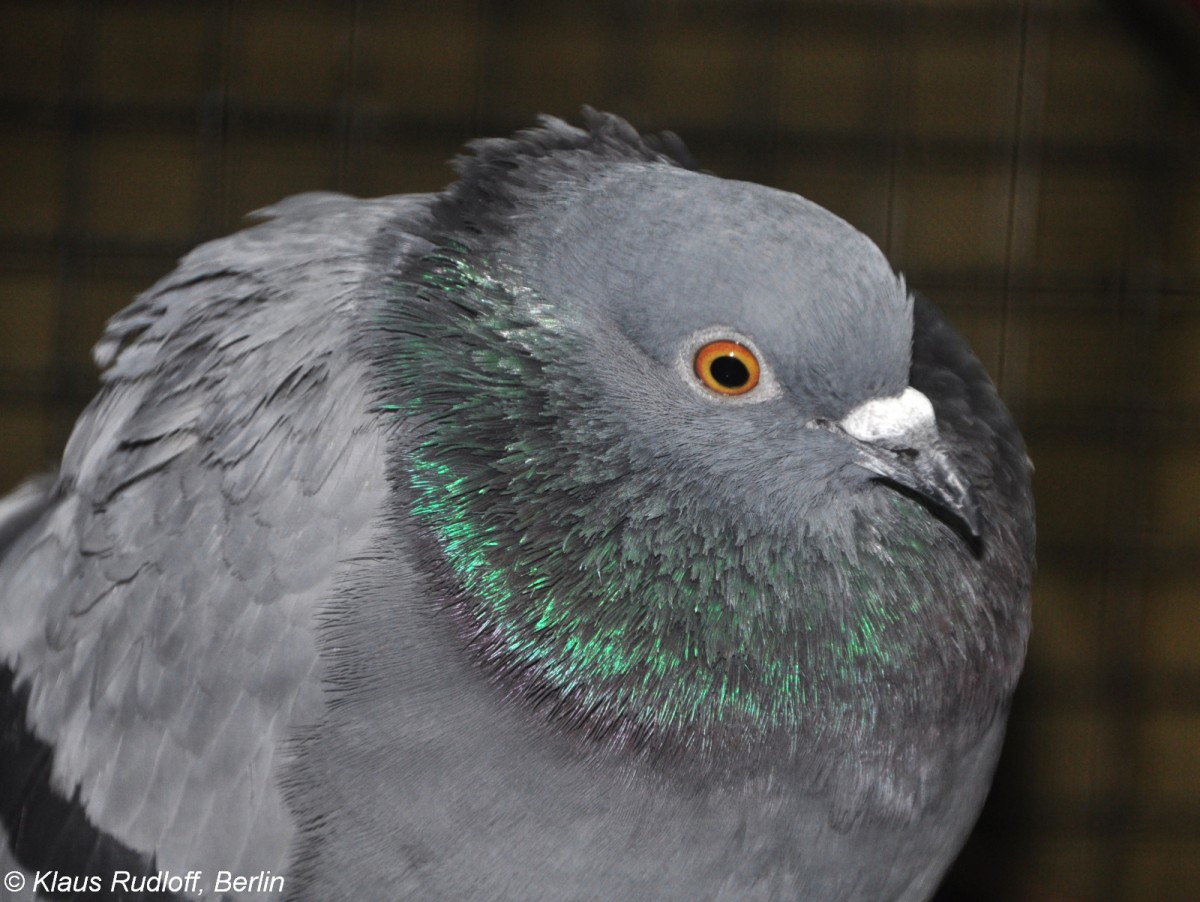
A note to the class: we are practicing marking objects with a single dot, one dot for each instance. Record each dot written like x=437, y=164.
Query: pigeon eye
x=727, y=367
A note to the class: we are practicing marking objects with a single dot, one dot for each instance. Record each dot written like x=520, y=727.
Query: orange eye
x=727, y=367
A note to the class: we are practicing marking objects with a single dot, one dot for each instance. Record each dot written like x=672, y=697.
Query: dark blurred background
x=1033, y=166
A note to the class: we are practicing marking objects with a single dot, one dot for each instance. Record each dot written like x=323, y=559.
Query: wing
x=158, y=599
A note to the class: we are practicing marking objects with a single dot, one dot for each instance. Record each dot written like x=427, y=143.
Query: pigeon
x=596, y=528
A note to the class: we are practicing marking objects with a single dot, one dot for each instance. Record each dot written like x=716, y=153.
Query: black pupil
x=729, y=372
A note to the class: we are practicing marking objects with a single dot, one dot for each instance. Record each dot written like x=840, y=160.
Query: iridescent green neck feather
x=616, y=590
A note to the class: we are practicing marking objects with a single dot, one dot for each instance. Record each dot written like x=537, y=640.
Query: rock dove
x=596, y=528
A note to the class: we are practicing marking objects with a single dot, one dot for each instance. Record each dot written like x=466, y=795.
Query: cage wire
x=1032, y=166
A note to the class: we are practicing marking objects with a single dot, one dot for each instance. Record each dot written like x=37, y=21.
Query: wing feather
x=159, y=598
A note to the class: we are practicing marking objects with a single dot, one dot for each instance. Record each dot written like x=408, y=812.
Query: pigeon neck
x=641, y=632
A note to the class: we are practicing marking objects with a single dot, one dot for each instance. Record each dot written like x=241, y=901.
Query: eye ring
x=727, y=367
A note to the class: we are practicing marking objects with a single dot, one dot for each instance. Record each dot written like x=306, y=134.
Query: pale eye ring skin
x=726, y=366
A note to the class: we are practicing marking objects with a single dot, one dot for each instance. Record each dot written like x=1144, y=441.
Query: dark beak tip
x=923, y=470
x=972, y=517
x=960, y=504
x=929, y=476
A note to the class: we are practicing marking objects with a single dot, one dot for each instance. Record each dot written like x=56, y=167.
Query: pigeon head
x=678, y=484
x=777, y=317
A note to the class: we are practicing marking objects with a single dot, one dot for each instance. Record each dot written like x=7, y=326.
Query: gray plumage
x=404, y=553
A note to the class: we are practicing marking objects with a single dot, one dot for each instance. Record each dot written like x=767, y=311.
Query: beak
x=897, y=440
